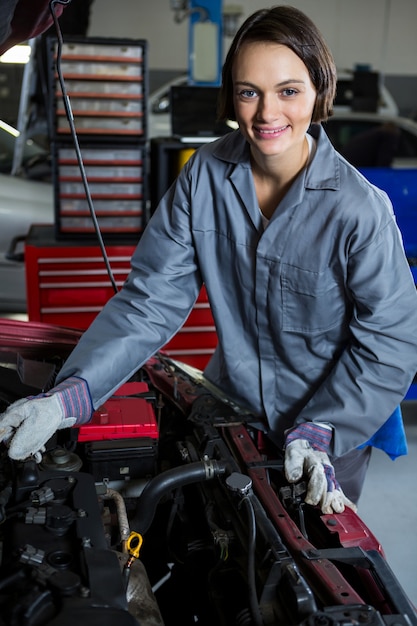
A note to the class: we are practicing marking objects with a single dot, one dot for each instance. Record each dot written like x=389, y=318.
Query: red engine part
x=124, y=415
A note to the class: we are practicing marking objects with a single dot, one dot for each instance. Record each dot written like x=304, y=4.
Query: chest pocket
x=312, y=302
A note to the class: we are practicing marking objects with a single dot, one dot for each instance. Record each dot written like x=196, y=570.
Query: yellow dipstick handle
x=133, y=545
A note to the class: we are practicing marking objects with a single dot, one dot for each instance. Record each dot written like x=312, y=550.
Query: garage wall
x=378, y=32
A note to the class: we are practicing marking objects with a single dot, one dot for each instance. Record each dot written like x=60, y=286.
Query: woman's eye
x=247, y=93
x=289, y=92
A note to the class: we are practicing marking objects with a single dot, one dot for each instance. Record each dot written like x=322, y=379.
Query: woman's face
x=273, y=97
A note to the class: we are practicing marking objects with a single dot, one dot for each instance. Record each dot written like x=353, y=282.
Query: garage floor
x=388, y=505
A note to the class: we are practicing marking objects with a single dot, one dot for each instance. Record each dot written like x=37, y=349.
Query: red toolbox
x=67, y=284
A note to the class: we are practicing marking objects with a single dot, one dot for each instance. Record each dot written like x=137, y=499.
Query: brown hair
x=289, y=27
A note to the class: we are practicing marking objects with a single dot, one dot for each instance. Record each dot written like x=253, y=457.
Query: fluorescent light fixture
x=9, y=129
x=17, y=54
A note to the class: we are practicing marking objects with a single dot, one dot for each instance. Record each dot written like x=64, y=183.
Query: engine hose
x=124, y=528
x=11, y=580
x=253, y=600
x=166, y=482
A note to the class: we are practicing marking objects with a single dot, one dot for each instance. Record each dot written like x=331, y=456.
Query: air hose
x=166, y=482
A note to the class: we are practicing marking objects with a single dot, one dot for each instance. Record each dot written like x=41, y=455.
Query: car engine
x=171, y=507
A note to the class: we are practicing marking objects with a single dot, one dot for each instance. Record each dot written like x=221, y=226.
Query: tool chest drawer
x=106, y=85
x=116, y=178
x=67, y=284
x=98, y=91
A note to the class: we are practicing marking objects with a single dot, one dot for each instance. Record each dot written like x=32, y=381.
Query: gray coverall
x=316, y=315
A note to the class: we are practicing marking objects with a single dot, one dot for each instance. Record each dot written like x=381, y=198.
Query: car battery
x=121, y=440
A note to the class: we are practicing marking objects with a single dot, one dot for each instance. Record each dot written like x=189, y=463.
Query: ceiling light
x=17, y=54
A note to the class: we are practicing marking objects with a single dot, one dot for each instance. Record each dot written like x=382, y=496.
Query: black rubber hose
x=12, y=579
x=253, y=600
x=166, y=482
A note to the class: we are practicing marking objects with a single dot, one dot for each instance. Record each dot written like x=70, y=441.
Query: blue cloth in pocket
x=390, y=437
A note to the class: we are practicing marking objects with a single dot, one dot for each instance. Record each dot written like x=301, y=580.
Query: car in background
x=35, y=162
x=345, y=95
x=25, y=199
x=398, y=178
x=23, y=202
x=159, y=117
x=345, y=127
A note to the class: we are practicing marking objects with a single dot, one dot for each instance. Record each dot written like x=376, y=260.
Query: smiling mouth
x=270, y=131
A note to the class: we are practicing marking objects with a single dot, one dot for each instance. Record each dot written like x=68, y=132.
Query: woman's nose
x=269, y=107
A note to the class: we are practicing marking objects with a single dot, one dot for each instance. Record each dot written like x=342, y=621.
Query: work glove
x=306, y=448
x=29, y=423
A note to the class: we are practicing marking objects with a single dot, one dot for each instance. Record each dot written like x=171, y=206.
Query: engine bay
x=171, y=507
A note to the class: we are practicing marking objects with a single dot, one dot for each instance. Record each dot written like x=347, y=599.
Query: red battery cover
x=122, y=416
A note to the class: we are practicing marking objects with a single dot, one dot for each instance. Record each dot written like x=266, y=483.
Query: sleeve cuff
x=75, y=399
x=319, y=437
